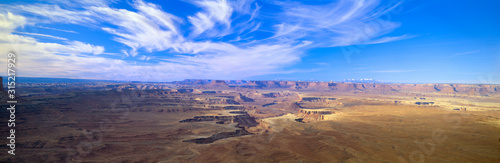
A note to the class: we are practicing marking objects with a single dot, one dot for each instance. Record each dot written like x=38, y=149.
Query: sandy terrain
x=145, y=126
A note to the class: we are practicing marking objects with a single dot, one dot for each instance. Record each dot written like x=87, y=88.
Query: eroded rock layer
x=460, y=89
x=309, y=115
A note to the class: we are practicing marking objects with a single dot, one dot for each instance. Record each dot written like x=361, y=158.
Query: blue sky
x=441, y=41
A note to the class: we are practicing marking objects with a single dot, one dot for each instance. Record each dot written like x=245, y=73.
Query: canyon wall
x=309, y=115
x=458, y=89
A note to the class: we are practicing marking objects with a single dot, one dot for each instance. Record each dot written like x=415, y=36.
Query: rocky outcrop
x=243, y=120
x=217, y=84
x=454, y=89
x=425, y=103
x=271, y=95
x=233, y=107
x=312, y=99
x=193, y=82
x=242, y=98
x=309, y=115
x=217, y=100
x=457, y=89
x=270, y=84
x=218, y=136
x=208, y=118
x=275, y=94
x=318, y=102
x=268, y=104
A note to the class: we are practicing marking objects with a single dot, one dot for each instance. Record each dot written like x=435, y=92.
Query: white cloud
x=10, y=22
x=54, y=13
x=244, y=6
x=199, y=50
x=286, y=29
x=215, y=12
x=464, y=53
x=77, y=46
x=226, y=61
x=150, y=28
x=342, y=23
x=215, y=60
x=80, y=3
x=388, y=39
x=62, y=30
x=42, y=35
x=45, y=59
x=123, y=51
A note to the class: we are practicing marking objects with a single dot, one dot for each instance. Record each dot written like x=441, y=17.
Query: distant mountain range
x=190, y=81
x=62, y=85
x=361, y=81
x=243, y=82
x=362, y=85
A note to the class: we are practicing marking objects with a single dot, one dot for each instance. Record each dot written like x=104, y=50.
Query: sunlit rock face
x=310, y=115
x=385, y=88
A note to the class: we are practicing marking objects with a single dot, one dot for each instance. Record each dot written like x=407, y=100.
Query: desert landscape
x=260, y=121
x=249, y=81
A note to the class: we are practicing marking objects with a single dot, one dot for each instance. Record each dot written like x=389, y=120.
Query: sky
x=439, y=41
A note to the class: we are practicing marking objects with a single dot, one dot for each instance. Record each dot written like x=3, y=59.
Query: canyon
x=199, y=120
x=458, y=89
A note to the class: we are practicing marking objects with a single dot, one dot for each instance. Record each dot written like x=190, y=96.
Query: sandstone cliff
x=449, y=89
x=309, y=115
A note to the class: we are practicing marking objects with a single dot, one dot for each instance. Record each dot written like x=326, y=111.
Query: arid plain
x=260, y=121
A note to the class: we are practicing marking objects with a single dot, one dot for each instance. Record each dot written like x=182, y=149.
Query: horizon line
x=331, y=81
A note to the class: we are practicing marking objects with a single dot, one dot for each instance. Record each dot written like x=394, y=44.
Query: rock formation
x=309, y=115
x=216, y=84
x=457, y=89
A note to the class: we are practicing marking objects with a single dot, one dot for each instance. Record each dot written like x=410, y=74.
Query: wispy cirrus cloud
x=55, y=29
x=53, y=13
x=215, y=12
x=11, y=22
x=386, y=71
x=227, y=60
x=149, y=28
x=223, y=39
x=41, y=35
x=340, y=23
x=464, y=53
x=388, y=39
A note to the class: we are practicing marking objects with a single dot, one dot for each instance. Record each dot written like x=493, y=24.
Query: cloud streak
x=222, y=39
x=385, y=71
x=215, y=12
x=62, y=30
x=149, y=28
x=42, y=35
x=464, y=53
x=342, y=23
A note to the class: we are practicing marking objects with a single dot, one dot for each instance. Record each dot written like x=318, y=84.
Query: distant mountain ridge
x=243, y=82
x=367, y=86
x=357, y=86
x=361, y=81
